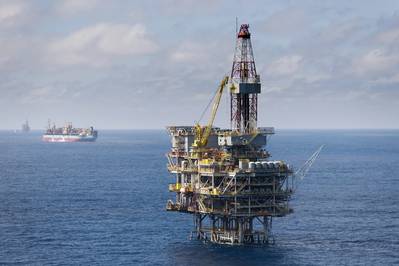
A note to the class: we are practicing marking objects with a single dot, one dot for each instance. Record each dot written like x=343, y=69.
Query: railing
x=176, y=168
x=178, y=187
x=209, y=191
x=174, y=187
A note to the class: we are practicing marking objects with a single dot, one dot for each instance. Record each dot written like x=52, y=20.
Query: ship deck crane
x=202, y=133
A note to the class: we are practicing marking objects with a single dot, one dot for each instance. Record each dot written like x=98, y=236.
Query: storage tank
x=243, y=164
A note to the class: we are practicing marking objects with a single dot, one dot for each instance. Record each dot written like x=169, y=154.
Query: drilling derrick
x=224, y=176
x=245, y=84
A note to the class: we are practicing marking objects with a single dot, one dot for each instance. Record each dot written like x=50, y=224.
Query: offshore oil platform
x=25, y=128
x=224, y=176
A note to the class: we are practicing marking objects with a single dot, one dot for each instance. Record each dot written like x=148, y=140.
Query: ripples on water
x=103, y=203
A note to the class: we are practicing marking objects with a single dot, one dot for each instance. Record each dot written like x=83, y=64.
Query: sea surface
x=104, y=203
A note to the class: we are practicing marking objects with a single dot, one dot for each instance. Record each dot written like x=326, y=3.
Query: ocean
x=103, y=203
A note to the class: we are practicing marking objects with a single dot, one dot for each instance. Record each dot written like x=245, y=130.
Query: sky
x=148, y=64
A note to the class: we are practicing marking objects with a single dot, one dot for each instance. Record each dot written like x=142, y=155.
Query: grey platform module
x=225, y=177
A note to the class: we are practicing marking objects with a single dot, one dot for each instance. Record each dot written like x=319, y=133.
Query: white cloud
x=389, y=36
x=343, y=32
x=96, y=45
x=43, y=94
x=11, y=12
x=288, y=21
x=183, y=56
x=273, y=89
x=286, y=65
x=188, y=52
x=375, y=61
x=74, y=6
x=394, y=79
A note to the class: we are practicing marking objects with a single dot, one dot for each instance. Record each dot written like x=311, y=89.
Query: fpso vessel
x=69, y=134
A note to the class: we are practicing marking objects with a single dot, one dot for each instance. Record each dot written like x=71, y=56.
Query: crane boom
x=202, y=135
x=301, y=172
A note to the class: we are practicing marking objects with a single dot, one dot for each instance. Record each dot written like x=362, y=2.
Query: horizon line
x=282, y=128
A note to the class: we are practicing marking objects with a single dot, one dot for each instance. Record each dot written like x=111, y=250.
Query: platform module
x=224, y=177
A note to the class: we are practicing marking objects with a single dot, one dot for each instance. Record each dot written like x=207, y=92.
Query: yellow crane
x=202, y=133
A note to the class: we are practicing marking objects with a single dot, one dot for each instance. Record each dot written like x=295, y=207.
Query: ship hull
x=68, y=138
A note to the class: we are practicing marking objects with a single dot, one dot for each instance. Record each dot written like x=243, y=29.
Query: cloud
x=287, y=21
x=162, y=50
x=43, y=94
x=189, y=52
x=97, y=45
x=352, y=58
x=376, y=61
x=188, y=7
x=389, y=36
x=75, y=6
x=12, y=13
x=388, y=33
x=394, y=79
x=343, y=32
x=286, y=65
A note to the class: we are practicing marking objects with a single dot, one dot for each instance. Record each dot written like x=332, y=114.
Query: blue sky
x=148, y=64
